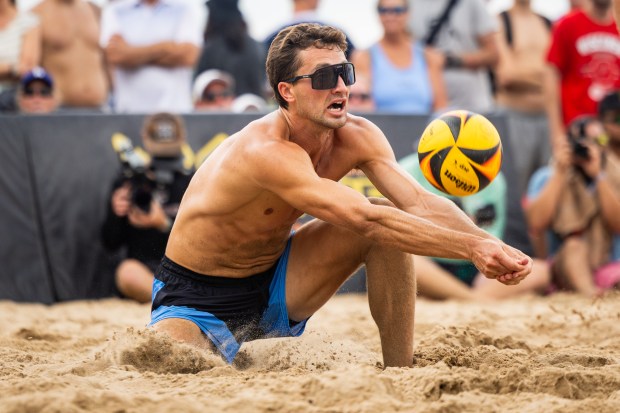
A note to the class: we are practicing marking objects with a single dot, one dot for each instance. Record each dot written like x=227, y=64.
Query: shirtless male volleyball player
x=233, y=271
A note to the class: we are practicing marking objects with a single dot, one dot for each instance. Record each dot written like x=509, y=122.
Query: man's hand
x=155, y=218
x=121, y=201
x=500, y=261
x=592, y=165
x=117, y=49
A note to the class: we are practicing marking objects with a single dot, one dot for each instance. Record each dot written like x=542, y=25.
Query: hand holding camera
x=154, y=218
x=121, y=200
x=583, y=133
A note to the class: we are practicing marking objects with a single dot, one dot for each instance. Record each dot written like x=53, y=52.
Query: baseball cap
x=37, y=73
x=207, y=77
x=248, y=102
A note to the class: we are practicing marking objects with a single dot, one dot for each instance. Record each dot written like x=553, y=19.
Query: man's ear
x=286, y=91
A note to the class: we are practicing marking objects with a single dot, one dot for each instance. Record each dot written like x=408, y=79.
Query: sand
x=531, y=354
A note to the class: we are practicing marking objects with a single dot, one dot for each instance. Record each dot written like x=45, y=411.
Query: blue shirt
x=401, y=90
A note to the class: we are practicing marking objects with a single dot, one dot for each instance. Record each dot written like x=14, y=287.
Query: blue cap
x=37, y=73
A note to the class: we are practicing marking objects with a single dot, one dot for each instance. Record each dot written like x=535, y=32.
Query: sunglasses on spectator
x=213, y=96
x=360, y=96
x=327, y=77
x=393, y=10
x=45, y=92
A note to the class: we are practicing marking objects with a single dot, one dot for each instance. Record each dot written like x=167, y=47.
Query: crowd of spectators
x=433, y=56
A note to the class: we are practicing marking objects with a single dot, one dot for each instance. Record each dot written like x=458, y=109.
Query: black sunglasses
x=327, y=77
x=360, y=96
x=46, y=91
x=213, y=96
x=393, y=10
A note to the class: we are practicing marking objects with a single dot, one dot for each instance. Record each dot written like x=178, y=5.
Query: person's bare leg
x=134, y=280
x=391, y=295
x=536, y=282
x=323, y=256
x=573, y=266
x=437, y=283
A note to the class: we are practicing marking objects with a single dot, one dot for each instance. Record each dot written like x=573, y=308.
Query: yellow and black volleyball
x=460, y=152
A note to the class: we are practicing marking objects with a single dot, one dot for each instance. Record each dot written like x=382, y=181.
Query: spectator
x=229, y=47
x=152, y=46
x=405, y=76
x=441, y=278
x=213, y=90
x=144, y=203
x=584, y=62
x=36, y=93
x=360, y=95
x=572, y=206
x=20, y=49
x=71, y=52
x=523, y=42
x=305, y=11
x=466, y=39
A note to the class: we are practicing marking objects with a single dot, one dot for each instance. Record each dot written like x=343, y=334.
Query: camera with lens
x=153, y=170
x=578, y=134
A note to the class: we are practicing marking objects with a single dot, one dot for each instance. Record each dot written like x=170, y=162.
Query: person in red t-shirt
x=583, y=65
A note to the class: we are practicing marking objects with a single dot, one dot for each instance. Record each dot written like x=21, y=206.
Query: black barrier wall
x=55, y=176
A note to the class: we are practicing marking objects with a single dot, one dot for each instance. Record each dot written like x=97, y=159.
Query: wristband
x=453, y=61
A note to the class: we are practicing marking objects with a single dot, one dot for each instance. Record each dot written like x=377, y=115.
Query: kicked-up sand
x=532, y=354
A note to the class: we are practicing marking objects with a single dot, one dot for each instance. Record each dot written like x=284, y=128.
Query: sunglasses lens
x=327, y=77
x=392, y=10
x=41, y=92
x=348, y=74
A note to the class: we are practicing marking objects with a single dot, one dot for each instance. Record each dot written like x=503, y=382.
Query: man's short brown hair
x=282, y=59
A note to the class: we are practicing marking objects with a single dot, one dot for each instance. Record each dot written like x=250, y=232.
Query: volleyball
x=460, y=152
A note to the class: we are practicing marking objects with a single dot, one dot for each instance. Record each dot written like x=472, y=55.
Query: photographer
x=572, y=206
x=144, y=202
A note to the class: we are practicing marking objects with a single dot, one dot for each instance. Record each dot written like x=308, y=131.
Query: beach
x=530, y=354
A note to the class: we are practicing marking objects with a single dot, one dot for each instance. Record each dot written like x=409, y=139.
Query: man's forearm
x=454, y=237
x=137, y=56
x=177, y=54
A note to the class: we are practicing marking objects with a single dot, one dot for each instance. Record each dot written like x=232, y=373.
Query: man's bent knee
x=185, y=331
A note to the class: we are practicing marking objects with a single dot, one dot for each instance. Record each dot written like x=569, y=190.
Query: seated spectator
x=405, y=77
x=214, y=90
x=440, y=278
x=572, y=205
x=144, y=203
x=152, y=47
x=249, y=102
x=20, y=50
x=71, y=53
x=228, y=47
x=36, y=93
